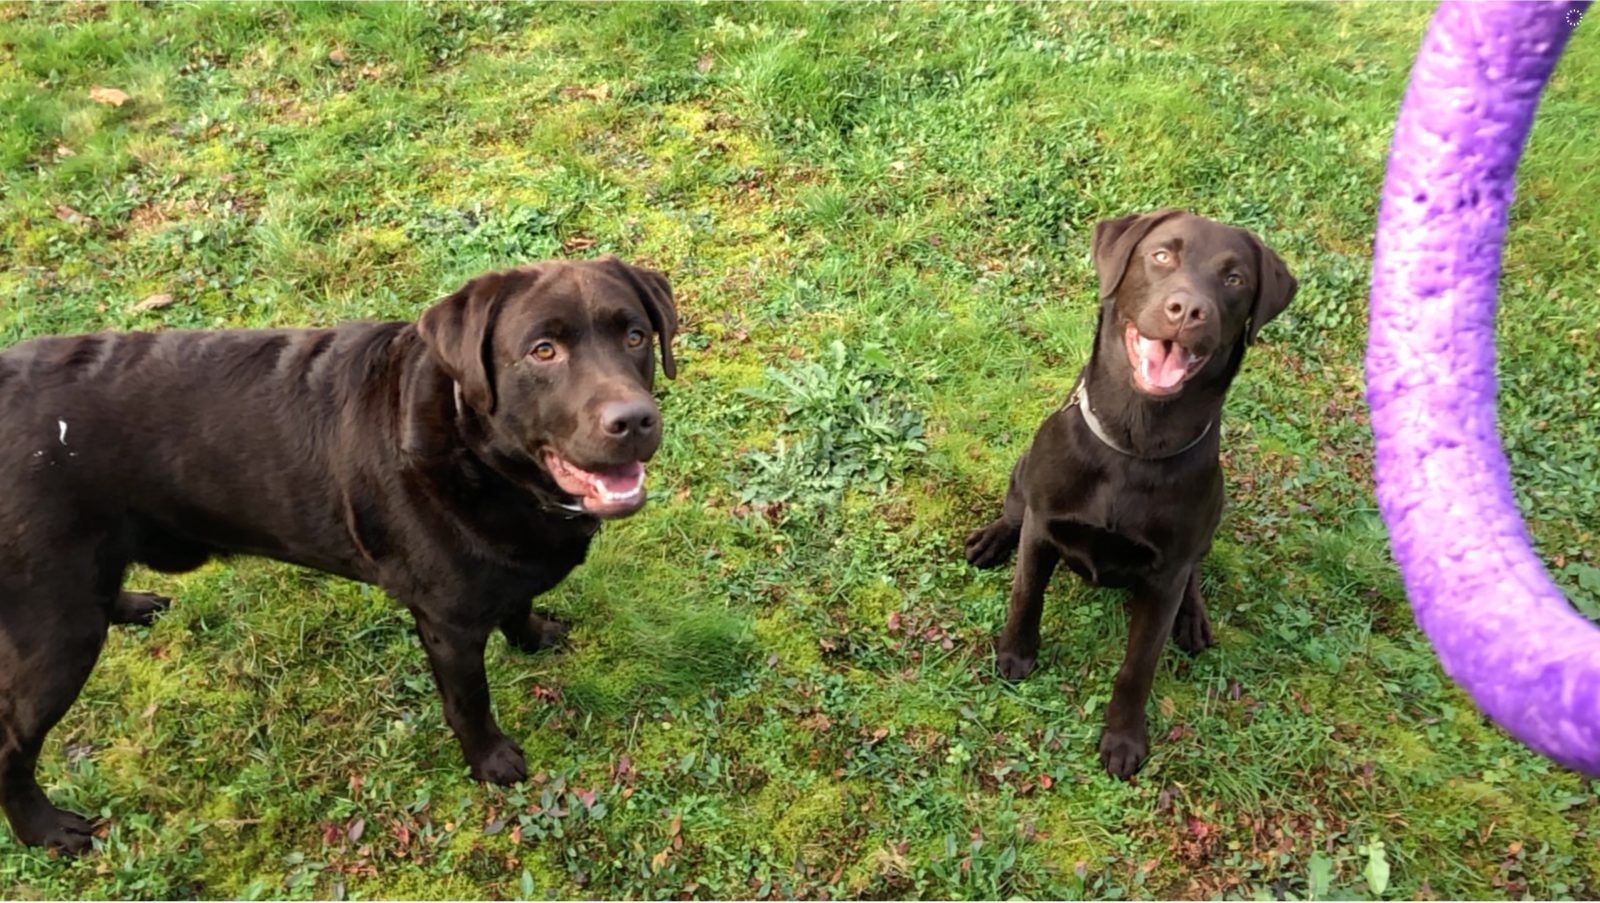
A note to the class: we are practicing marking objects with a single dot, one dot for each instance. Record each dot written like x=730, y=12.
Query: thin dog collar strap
x=569, y=510
x=1080, y=398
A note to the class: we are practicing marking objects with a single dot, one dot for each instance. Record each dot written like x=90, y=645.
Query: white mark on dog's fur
x=63, y=425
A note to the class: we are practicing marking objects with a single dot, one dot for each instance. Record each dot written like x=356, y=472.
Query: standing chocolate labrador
x=463, y=464
x=1122, y=482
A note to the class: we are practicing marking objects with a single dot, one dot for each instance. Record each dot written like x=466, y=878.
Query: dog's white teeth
x=607, y=495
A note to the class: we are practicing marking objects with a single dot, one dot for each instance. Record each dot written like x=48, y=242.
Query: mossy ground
x=876, y=219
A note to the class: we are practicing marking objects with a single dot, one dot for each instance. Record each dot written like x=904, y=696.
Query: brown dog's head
x=557, y=361
x=1183, y=288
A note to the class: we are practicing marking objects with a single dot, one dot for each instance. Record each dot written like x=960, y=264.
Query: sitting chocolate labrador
x=1122, y=482
x=463, y=464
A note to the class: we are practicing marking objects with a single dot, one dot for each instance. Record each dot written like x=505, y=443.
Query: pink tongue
x=621, y=480
x=1162, y=364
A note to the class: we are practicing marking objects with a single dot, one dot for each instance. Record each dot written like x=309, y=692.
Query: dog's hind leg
x=988, y=547
x=49, y=642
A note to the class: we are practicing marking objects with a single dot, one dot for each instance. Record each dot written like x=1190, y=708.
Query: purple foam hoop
x=1501, y=628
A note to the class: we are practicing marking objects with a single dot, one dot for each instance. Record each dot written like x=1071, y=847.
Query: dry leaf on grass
x=572, y=92
x=68, y=215
x=109, y=96
x=154, y=302
x=337, y=56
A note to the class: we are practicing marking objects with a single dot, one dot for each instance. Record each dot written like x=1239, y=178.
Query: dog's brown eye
x=1233, y=280
x=635, y=338
x=544, y=351
x=1162, y=256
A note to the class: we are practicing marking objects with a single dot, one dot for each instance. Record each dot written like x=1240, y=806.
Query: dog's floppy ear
x=1274, y=290
x=1114, y=241
x=656, y=293
x=459, y=332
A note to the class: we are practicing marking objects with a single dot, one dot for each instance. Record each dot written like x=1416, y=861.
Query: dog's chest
x=535, y=562
x=1117, y=522
x=552, y=564
x=1102, y=555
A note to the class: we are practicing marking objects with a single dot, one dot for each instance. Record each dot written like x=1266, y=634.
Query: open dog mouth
x=1160, y=366
x=610, y=492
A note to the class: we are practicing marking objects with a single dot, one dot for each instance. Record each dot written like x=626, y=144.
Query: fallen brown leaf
x=816, y=722
x=337, y=56
x=154, y=302
x=111, y=97
x=69, y=215
x=597, y=93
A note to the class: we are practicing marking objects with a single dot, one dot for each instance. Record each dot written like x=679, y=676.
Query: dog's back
x=139, y=434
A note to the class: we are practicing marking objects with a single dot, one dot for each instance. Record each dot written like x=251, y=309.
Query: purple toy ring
x=1501, y=628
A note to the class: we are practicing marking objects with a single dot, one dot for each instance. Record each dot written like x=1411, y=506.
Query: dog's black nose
x=624, y=419
x=1184, y=309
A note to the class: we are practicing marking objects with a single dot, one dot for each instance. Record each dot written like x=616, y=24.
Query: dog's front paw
x=537, y=634
x=1013, y=666
x=66, y=832
x=138, y=608
x=1123, y=751
x=989, y=547
x=501, y=763
x=1192, y=630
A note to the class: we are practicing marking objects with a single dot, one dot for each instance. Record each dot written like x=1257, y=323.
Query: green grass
x=876, y=219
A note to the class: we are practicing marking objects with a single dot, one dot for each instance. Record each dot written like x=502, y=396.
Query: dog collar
x=569, y=510
x=1080, y=399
